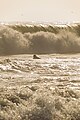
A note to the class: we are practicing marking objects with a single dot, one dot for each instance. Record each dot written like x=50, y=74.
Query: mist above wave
x=18, y=39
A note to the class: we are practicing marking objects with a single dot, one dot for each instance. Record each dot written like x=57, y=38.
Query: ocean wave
x=38, y=39
x=11, y=41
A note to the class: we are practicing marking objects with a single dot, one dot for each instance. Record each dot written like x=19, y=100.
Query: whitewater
x=39, y=89
x=39, y=39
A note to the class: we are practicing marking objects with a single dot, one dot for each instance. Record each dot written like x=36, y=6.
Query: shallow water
x=62, y=70
x=32, y=88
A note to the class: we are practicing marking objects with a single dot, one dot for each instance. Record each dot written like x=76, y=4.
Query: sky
x=40, y=11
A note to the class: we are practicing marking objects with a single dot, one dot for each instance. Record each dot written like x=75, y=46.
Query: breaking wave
x=23, y=39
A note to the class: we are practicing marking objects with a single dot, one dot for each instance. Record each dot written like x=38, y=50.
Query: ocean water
x=62, y=70
x=40, y=89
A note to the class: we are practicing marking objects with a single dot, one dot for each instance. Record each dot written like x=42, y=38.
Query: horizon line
x=40, y=22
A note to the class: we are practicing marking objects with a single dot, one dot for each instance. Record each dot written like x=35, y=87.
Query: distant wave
x=23, y=39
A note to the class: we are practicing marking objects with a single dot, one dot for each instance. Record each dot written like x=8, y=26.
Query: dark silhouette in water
x=7, y=60
x=35, y=57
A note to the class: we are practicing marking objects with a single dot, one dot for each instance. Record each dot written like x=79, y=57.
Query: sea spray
x=23, y=39
x=11, y=41
x=46, y=42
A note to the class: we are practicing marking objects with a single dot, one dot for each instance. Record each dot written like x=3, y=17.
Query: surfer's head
x=35, y=57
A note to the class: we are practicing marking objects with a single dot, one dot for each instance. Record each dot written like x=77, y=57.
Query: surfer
x=35, y=57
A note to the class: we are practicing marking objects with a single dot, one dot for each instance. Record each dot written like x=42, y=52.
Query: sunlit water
x=40, y=89
x=62, y=70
